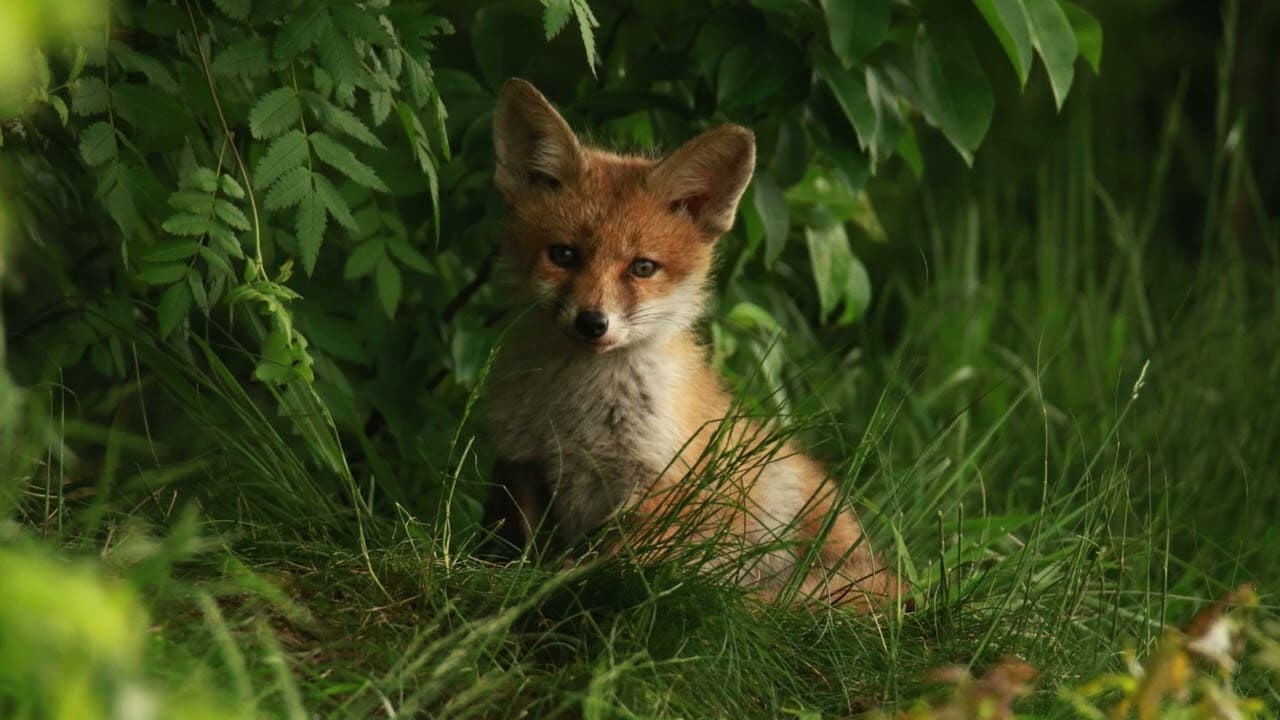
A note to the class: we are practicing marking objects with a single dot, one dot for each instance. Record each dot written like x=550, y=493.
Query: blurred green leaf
x=1055, y=41
x=856, y=27
x=386, y=279
x=1008, y=20
x=841, y=278
x=771, y=206
x=1088, y=34
x=274, y=113
x=173, y=307
x=955, y=92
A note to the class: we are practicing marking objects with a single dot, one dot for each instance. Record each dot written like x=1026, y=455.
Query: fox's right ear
x=533, y=144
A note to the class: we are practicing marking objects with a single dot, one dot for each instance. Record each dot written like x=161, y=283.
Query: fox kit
x=602, y=401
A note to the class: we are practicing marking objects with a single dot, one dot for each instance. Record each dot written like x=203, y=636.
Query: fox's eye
x=562, y=255
x=643, y=268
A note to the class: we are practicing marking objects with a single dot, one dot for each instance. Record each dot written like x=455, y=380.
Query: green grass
x=1064, y=431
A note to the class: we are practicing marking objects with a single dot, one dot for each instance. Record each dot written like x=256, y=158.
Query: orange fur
x=619, y=414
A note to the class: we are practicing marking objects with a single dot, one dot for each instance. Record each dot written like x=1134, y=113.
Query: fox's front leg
x=516, y=508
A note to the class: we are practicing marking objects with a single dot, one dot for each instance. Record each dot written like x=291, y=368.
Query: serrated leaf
x=1088, y=34
x=231, y=215
x=1055, y=41
x=302, y=30
x=333, y=201
x=955, y=94
x=1008, y=20
x=856, y=27
x=161, y=274
x=247, y=57
x=155, y=71
x=171, y=250
x=230, y=187
x=587, y=24
x=840, y=277
x=195, y=202
x=310, y=225
x=347, y=123
x=286, y=153
x=202, y=178
x=90, y=96
x=216, y=261
x=173, y=307
x=380, y=107
x=274, y=113
x=338, y=156
x=289, y=189
x=386, y=280
x=555, y=16
x=362, y=24
x=226, y=241
x=364, y=258
x=409, y=255
x=338, y=55
x=771, y=205
x=98, y=144
x=238, y=9
x=185, y=224
x=195, y=282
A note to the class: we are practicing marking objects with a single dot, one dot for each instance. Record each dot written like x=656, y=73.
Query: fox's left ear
x=707, y=176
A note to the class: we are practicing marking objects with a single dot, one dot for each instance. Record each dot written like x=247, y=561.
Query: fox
x=603, y=405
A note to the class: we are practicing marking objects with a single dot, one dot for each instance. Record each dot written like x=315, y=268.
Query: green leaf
x=346, y=122
x=201, y=177
x=555, y=16
x=338, y=55
x=60, y=107
x=171, y=250
x=216, y=261
x=840, y=277
x=586, y=27
x=302, y=30
x=247, y=57
x=362, y=24
x=750, y=316
x=230, y=187
x=161, y=274
x=856, y=27
x=183, y=224
x=311, y=224
x=1055, y=41
x=289, y=189
x=90, y=96
x=909, y=151
x=98, y=144
x=195, y=202
x=333, y=201
x=771, y=206
x=343, y=160
x=386, y=280
x=226, y=241
x=791, y=153
x=155, y=71
x=286, y=153
x=173, y=307
x=238, y=9
x=195, y=281
x=231, y=215
x=274, y=113
x=407, y=254
x=364, y=258
x=955, y=94
x=1088, y=33
x=1008, y=20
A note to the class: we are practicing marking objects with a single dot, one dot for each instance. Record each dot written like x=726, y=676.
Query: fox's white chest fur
x=603, y=424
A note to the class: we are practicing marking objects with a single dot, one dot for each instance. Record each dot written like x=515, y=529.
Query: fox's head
x=616, y=249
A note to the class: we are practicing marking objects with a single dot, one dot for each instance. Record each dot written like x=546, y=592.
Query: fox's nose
x=591, y=324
